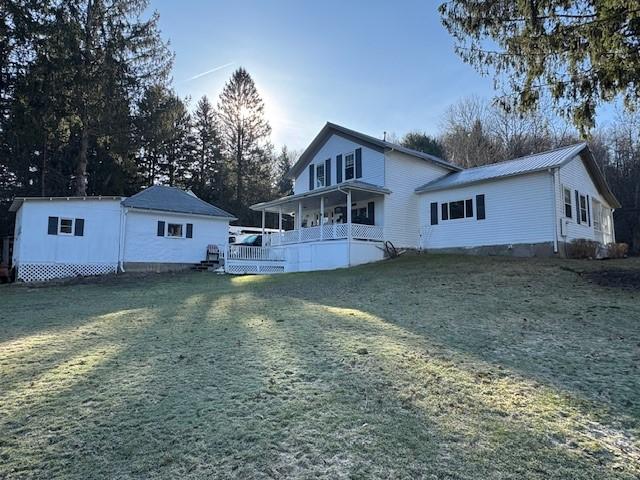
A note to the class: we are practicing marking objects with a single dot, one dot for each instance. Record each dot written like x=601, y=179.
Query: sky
x=372, y=66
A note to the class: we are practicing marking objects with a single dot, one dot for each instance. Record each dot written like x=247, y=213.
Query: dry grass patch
x=422, y=367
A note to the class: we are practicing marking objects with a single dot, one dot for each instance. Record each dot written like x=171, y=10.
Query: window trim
x=73, y=228
x=445, y=210
x=565, y=191
x=584, y=220
x=324, y=178
x=344, y=165
x=182, y=230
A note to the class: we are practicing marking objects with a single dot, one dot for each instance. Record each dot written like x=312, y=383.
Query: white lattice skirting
x=39, y=272
x=242, y=268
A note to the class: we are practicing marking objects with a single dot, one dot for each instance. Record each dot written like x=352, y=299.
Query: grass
x=436, y=367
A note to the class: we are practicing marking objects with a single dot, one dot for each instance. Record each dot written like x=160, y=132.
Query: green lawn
x=421, y=367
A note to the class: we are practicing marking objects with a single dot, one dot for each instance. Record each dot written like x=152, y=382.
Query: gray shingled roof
x=171, y=199
x=372, y=142
x=531, y=163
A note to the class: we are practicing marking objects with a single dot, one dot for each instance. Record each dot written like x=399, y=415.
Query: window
x=480, y=211
x=583, y=209
x=457, y=210
x=320, y=176
x=66, y=226
x=349, y=166
x=174, y=230
x=596, y=208
x=567, y=203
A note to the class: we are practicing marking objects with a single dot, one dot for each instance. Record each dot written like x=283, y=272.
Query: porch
x=334, y=227
x=351, y=210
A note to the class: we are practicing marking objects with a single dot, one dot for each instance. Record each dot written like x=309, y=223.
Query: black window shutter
x=339, y=169
x=79, y=230
x=445, y=211
x=371, y=212
x=358, y=162
x=327, y=172
x=160, y=228
x=434, y=213
x=578, y=208
x=588, y=211
x=189, y=230
x=480, y=213
x=53, y=226
x=311, y=179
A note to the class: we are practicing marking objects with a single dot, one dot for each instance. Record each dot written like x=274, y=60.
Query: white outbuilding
x=160, y=228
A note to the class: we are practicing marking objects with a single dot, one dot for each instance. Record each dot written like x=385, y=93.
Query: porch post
x=280, y=219
x=321, y=218
x=299, y=221
x=349, y=214
x=263, y=215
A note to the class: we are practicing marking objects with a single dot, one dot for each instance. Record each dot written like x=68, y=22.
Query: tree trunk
x=81, y=167
x=239, y=168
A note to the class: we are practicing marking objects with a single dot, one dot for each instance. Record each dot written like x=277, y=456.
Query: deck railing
x=242, y=252
x=332, y=231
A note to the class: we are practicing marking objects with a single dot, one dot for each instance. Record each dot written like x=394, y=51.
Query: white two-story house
x=356, y=195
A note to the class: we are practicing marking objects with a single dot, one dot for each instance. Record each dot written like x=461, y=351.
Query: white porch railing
x=242, y=252
x=332, y=231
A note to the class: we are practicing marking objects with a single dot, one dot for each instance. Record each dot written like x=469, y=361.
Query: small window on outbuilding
x=174, y=230
x=66, y=226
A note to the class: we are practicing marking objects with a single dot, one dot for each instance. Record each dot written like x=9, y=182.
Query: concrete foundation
x=156, y=267
x=514, y=250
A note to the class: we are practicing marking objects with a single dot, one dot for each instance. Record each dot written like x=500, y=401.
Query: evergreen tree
x=423, y=143
x=283, y=166
x=582, y=52
x=208, y=169
x=245, y=134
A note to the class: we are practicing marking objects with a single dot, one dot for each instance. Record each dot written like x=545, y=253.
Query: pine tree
x=581, y=53
x=423, y=143
x=283, y=166
x=207, y=170
x=245, y=134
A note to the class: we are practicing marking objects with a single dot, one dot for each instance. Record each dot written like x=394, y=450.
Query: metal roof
x=372, y=142
x=171, y=199
x=529, y=164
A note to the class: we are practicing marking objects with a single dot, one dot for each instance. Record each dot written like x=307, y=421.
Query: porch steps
x=206, y=266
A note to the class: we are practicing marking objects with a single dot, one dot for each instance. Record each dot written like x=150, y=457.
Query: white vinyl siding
x=519, y=210
x=404, y=174
x=373, y=169
x=142, y=244
x=575, y=176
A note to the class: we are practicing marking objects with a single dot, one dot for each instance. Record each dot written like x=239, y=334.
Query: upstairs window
x=320, y=180
x=568, y=208
x=349, y=166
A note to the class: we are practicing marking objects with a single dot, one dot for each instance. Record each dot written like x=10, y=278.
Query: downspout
x=349, y=234
x=556, y=189
x=123, y=223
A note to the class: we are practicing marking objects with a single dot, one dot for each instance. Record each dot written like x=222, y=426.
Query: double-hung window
x=320, y=179
x=568, y=206
x=583, y=209
x=66, y=226
x=349, y=166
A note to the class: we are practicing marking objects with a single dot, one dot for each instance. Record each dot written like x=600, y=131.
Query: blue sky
x=372, y=66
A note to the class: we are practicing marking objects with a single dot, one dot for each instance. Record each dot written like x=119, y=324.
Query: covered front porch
x=351, y=210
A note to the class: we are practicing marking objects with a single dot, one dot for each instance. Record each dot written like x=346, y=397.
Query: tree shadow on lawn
x=252, y=377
